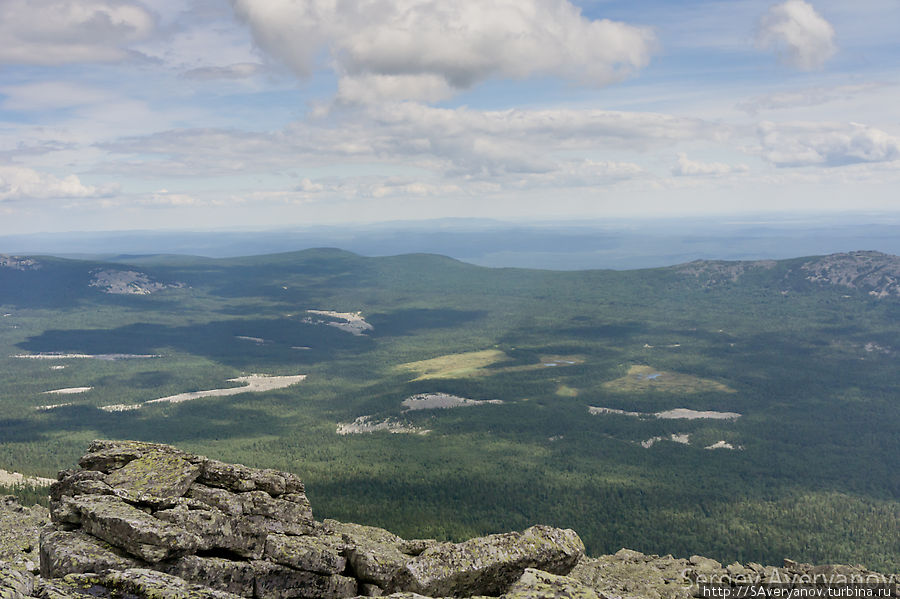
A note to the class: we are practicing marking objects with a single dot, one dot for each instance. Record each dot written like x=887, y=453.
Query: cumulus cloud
x=21, y=183
x=800, y=36
x=826, y=144
x=427, y=49
x=53, y=32
x=686, y=167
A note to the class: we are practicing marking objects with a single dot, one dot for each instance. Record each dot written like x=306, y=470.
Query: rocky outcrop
x=148, y=521
x=138, y=517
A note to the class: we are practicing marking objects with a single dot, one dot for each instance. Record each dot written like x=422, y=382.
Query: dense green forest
x=808, y=362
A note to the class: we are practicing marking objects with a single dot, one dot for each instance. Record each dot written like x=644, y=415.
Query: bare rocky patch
x=367, y=424
x=443, y=401
x=68, y=391
x=18, y=263
x=128, y=282
x=349, y=322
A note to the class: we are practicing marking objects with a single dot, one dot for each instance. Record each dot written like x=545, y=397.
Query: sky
x=205, y=114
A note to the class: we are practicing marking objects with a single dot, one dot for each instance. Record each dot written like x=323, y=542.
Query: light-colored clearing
x=686, y=414
x=258, y=340
x=475, y=364
x=593, y=410
x=12, y=479
x=53, y=406
x=58, y=367
x=68, y=391
x=724, y=445
x=451, y=366
x=121, y=407
x=682, y=438
x=566, y=391
x=255, y=383
x=642, y=378
x=676, y=414
x=62, y=356
x=350, y=322
x=443, y=401
x=365, y=425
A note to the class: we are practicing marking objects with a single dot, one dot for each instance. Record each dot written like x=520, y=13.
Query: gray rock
x=633, y=575
x=537, y=584
x=277, y=515
x=76, y=552
x=133, y=530
x=216, y=573
x=233, y=477
x=145, y=584
x=280, y=582
x=217, y=530
x=373, y=553
x=489, y=565
x=155, y=476
x=15, y=584
x=223, y=500
x=304, y=553
x=79, y=482
x=20, y=528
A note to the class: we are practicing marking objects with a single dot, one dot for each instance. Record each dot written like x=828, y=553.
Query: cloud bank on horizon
x=118, y=114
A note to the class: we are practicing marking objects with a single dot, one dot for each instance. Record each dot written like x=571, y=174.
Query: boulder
x=280, y=582
x=536, y=584
x=217, y=530
x=20, y=529
x=14, y=583
x=134, y=530
x=153, y=478
x=238, y=577
x=305, y=553
x=489, y=565
x=373, y=553
x=75, y=552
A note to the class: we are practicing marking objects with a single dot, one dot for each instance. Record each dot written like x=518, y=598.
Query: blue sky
x=198, y=114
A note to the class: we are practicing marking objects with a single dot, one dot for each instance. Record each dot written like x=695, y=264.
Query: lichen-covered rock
x=217, y=530
x=134, y=530
x=14, y=583
x=224, y=501
x=280, y=582
x=489, y=565
x=373, y=553
x=537, y=584
x=20, y=529
x=139, y=583
x=633, y=575
x=290, y=515
x=238, y=577
x=154, y=477
x=75, y=552
x=106, y=455
x=305, y=553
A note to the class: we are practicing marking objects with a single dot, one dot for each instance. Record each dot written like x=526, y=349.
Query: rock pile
x=148, y=521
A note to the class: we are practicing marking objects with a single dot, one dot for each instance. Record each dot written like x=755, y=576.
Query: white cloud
x=424, y=49
x=53, y=32
x=241, y=70
x=692, y=168
x=800, y=36
x=804, y=98
x=50, y=95
x=21, y=183
x=457, y=143
x=826, y=144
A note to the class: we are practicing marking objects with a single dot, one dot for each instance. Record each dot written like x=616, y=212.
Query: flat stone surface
x=154, y=476
x=75, y=552
x=304, y=553
x=489, y=565
x=133, y=530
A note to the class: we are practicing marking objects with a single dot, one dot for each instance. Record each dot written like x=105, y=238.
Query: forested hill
x=741, y=410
